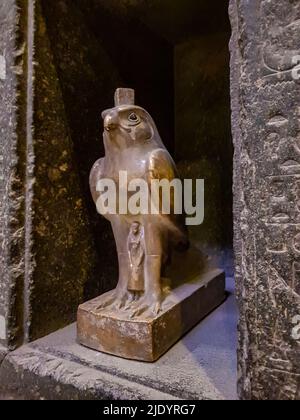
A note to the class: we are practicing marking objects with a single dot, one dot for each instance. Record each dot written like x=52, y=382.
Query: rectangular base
x=147, y=339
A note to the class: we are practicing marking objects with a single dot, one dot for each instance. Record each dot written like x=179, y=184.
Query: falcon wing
x=95, y=175
x=161, y=166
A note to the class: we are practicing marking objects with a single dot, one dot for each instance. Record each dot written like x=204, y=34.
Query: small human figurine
x=136, y=252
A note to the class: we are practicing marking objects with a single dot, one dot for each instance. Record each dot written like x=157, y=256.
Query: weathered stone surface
x=147, y=338
x=265, y=105
x=62, y=261
x=46, y=237
x=48, y=377
x=201, y=366
x=87, y=78
x=3, y=353
x=12, y=170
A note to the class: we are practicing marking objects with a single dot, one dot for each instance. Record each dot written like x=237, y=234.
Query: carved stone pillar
x=12, y=171
x=265, y=104
x=47, y=256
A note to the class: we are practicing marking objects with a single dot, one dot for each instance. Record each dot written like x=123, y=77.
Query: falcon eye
x=133, y=118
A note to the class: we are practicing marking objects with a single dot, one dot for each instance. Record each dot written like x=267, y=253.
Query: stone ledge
x=38, y=375
x=202, y=366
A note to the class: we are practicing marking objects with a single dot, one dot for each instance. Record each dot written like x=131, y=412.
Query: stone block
x=201, y=366
x=145, y=338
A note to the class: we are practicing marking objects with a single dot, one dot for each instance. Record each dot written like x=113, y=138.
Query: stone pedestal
x=145, y=338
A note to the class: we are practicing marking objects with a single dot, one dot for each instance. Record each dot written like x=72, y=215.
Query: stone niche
x=175, y=55
x=178, y=63
x=56, y=253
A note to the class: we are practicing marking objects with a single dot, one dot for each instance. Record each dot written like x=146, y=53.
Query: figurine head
x=135, y=228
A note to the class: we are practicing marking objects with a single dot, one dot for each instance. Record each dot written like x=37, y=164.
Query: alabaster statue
x=145, y=242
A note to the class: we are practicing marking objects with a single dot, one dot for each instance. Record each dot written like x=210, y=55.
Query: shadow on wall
x=203, y=136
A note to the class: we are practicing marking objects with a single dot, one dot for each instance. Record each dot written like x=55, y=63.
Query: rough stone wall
x=47, y=255
x=87, y=78
x=12, y=170
x=61, y=260
x=57, y=74
x=265, y=115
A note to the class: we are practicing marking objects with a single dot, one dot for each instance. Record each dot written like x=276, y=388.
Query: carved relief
x=266, y=36
x=278, y=262
x=297, y=195
x=136, y=251
x=280, y=51
x=276, y=240
x=296, y=277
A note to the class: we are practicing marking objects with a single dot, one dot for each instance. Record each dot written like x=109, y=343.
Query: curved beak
x=110, y=120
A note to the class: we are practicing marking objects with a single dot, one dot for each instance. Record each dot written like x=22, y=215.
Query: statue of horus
x=145, y=242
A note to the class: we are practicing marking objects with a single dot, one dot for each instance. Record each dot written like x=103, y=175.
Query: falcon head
x=128, y=126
